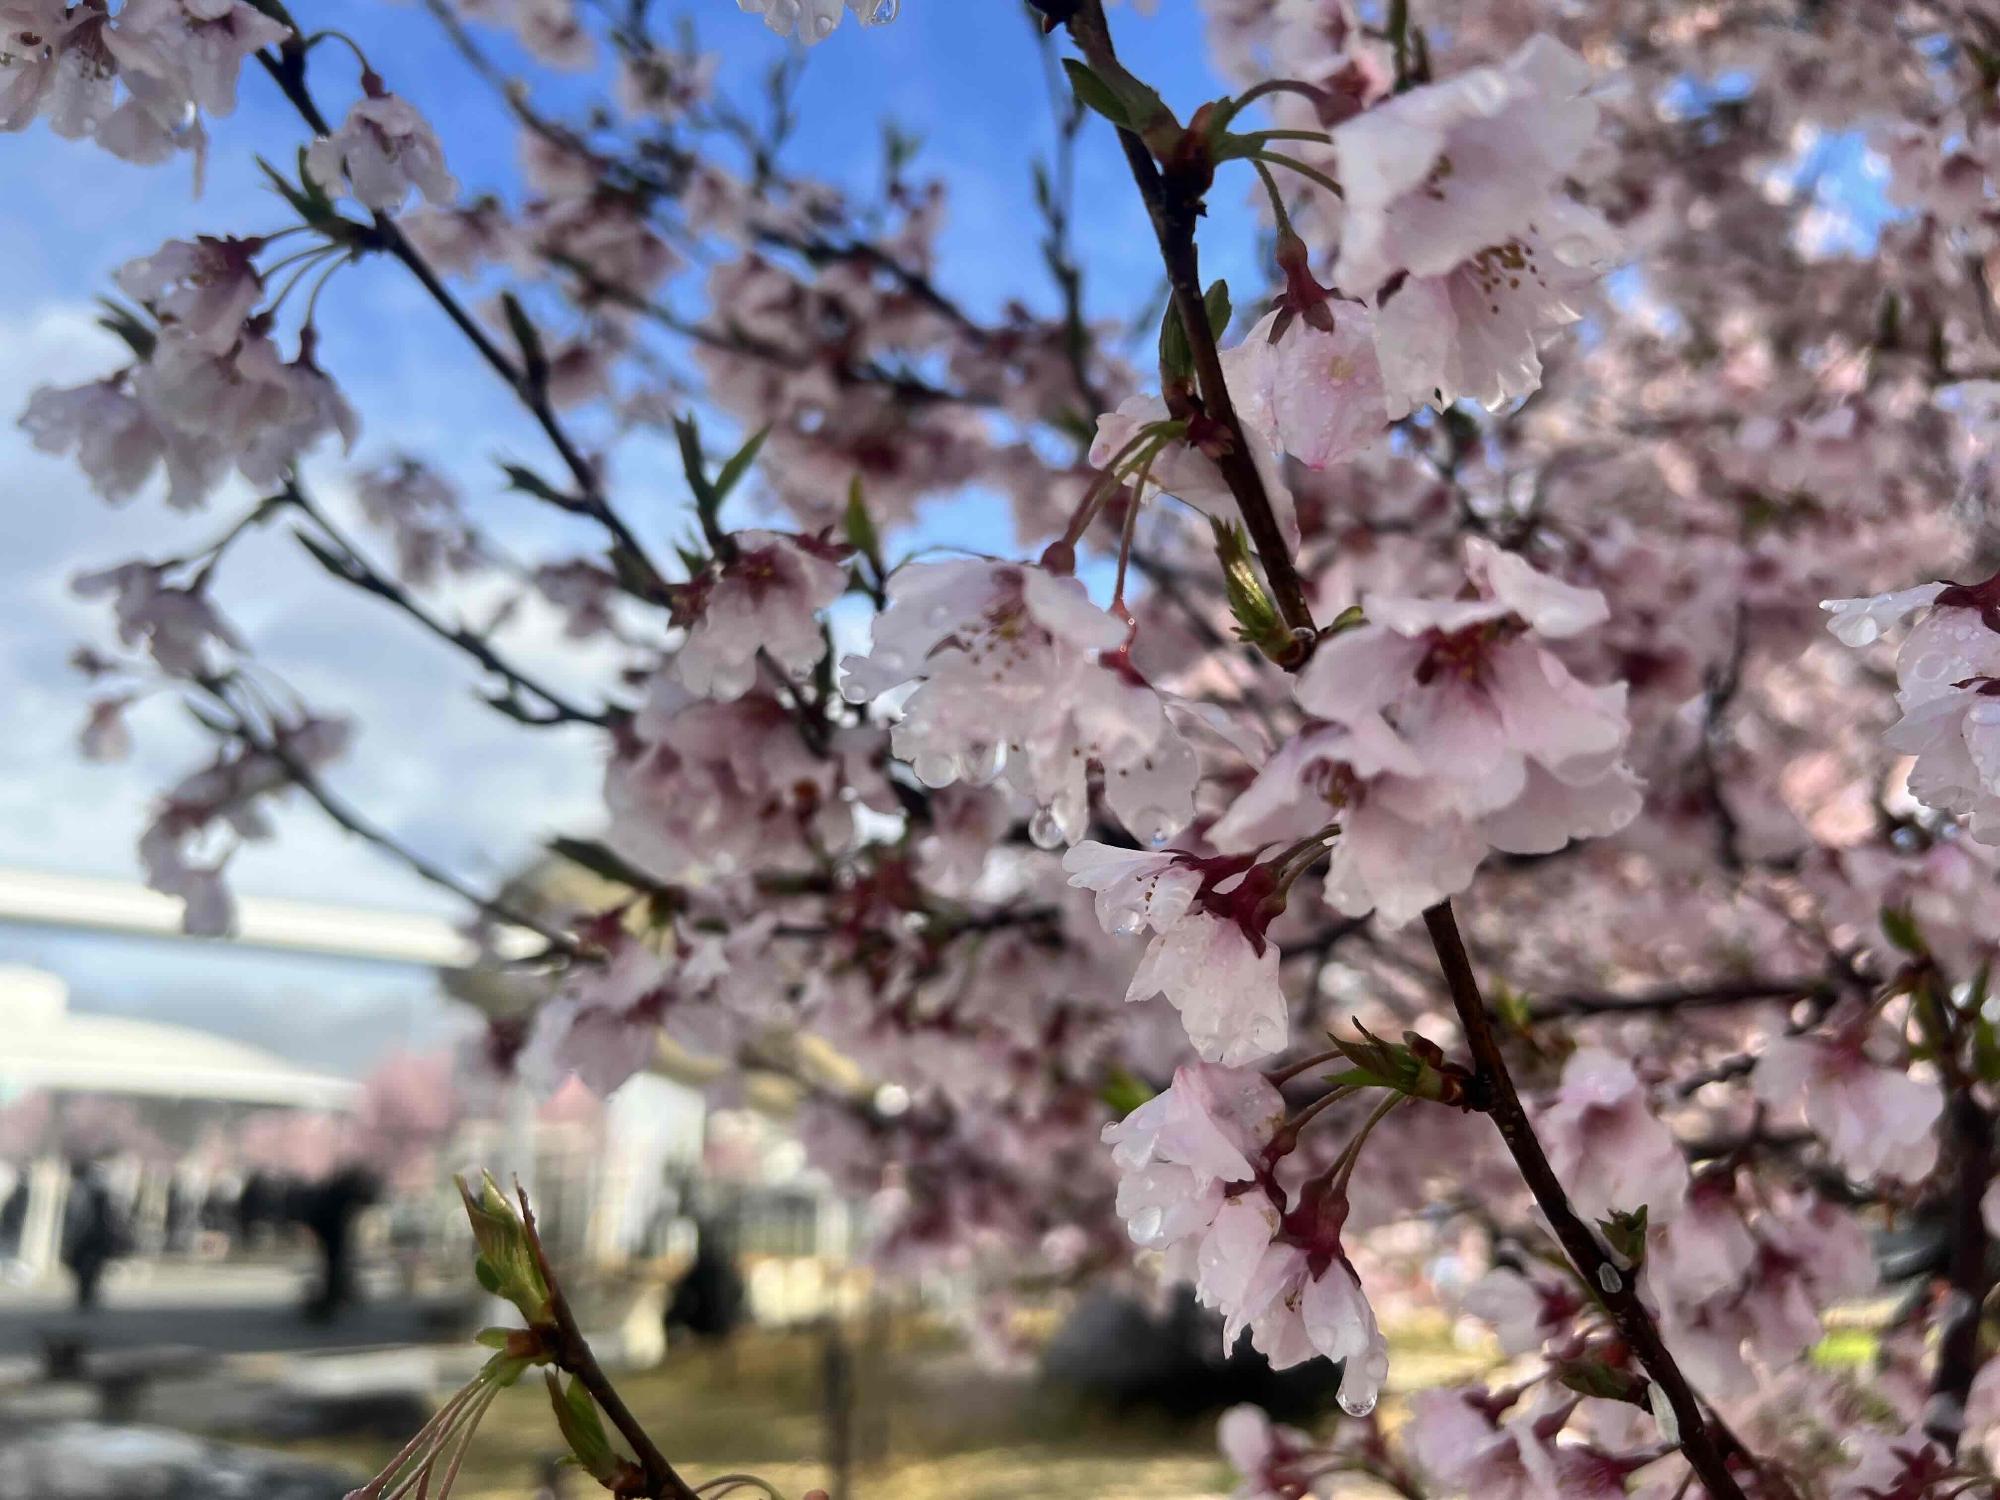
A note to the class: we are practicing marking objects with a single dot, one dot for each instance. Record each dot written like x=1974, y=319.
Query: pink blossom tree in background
x=1397, y=792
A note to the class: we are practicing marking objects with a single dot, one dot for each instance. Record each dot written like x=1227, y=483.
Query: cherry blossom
x=382, y=152
x=1208, y=955
x=208, y=287
x=1876, y=1121
x=814, y=20
x=1607, y=1145
x=1451, y=729
x=763, y=599
x=174, y=624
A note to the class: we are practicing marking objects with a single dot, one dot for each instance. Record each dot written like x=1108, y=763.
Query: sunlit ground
x=929, y=1425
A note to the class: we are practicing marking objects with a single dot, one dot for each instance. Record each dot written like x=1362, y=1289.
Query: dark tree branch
x=1704, y=1448
x=1173, y=203
x=1680, y=997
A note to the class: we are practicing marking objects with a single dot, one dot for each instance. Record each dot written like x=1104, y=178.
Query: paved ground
x=226, y=1310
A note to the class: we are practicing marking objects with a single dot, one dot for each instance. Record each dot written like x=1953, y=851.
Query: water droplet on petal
x=934, y=768
x=1044, y=829
x=1357, y=1406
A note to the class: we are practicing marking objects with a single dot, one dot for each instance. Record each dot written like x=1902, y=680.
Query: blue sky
x=432, y=763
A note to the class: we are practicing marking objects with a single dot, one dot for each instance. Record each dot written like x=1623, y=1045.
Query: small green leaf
x=1122, y=1093
x=1900, y=927
x=1625, y=1233
x=1095, y=94
x=1594, y=1377
x=534, y=360
x=739, y=464
x=583, y=1429
x=1257, y=619
x=528, y=482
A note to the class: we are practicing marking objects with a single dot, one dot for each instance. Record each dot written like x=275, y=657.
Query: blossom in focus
x=1177, y=1154
x=766, y=598
x=1448, y=728
x=382, y=152
x=1208, y=954
x=1017, y=672
x=1313, y=393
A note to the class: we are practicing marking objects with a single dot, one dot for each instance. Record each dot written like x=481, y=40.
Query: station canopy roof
x=46, y=1045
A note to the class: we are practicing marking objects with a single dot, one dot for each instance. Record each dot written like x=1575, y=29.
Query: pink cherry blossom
x=766, y=598
x=1606, y=1144
x=1876, y=1121
x=381, y=152
x=208, y=287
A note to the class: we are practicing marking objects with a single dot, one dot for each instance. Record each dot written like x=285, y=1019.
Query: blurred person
x=93, y=1233
x=328, y=1211
x=709, y=1299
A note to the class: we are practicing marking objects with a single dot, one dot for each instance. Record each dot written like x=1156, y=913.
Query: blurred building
x=141, y=1096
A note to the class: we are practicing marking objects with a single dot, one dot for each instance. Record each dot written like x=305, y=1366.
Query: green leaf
x=738, y=465
x=1257, y=618
x=1122, y=1092
x=1095, y=94
x=506, y=1264
x=1594, y=1377
x=128, y=325
x=534, y=359
x=859, y=529
x=528, y=482
x=1901, y=929
x=583, y=1429
x=1625, y=1233
x=1176, y=356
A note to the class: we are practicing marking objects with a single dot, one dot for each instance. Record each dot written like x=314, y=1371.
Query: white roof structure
x=43, y=1045
x=78, y=901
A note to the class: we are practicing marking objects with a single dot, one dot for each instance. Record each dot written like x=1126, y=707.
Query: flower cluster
x=1195, y=1183
x=1447, y=728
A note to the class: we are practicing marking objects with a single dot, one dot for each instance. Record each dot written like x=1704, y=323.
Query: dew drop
x=935, y=768
x=1356, y=1406
x=1044, y=829
x=1610, y=1280
x=1126, y=923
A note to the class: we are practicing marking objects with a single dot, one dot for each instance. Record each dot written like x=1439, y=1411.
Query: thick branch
x=1612, y=1286
x=1968, y=1129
